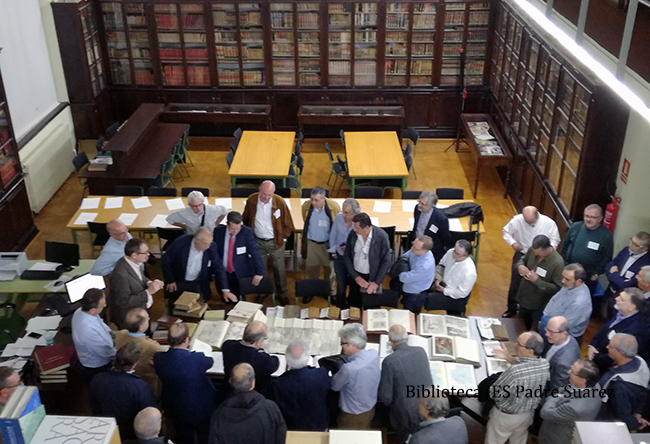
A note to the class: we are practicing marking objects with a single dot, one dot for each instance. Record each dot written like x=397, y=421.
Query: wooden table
x=481, y=159
x=263, y=155
x=374, y=155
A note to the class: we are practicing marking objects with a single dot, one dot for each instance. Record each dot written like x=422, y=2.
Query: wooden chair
x=167, y=173
x=414, y=136
x=186, y=143
x=283, y=192
x=387, y=298
x=169, y=235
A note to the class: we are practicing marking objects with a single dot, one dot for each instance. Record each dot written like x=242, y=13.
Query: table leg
x=478, y=170
x=353, y=185
x=74, y=236
x=505, y=191
x=284, y=182
x=403, y=184
x=233, y=181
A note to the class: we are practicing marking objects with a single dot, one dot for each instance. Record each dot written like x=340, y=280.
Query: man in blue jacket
x=238, y=252
x=187, y=392
x=189, y=264
x=622, y=270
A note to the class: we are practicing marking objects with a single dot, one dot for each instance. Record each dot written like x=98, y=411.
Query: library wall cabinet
x=17, y=222
x=79, y=37
x=564, y=125
x=291, y=53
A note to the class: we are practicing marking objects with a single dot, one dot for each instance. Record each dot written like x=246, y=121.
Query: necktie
x=230, y=268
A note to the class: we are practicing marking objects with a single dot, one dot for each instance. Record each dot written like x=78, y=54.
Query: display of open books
x=215, y=333
x=496, y=365
x=380, y=320
x=441, y=325
x=245, y=312
x=321, y=335
x=441, y=348
x=449, y=375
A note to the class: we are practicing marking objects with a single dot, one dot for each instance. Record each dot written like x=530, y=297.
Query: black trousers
x=530, y=317
x=88, y=373
x=440, y=301
x=354, y=296
x=515, y=280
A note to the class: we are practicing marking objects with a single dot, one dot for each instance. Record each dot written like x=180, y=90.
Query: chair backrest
x=160, y=191
x=470, y=236
x=450, y=193
x=283, y=192
x=185, y=191
x=368, y=192
x=300, y=163
x=409, y=162
x=306, y=193
x=329, y=152
x=157, y=182
x=169, y=234
x=406, y=151
x=99, y=145
x=312, y=287
x=387, y=298
x=237, y=134
x=266, y=286
x=242, y=192
x=229, y=158
x=390, y=231
x=100, y=231
x=411, y=194
x=80, y=160
x=128, y=190
x=342, y=163
x=342, y=136
x=299, y=136
x=234, y=143
x=112, y=129
x=298, y=149
x=167, y=166
x=413, y=134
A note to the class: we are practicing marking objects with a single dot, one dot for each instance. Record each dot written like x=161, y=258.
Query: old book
x=215, y=333
x=334, y=313
x=355, y=314
x=314, y=312
x=243, y=312
x=500, y=332
x=186, y=301
x=446, y=375
x=380, y=320
x=455, y=348
x=215, y=315
x=97, y=167
x=197, y=311
x=160, y=336
x=51, y=359
x=490, y=346
x=55, y=429
x=165, y=321
x=191, y=328
x=291, y=311
x=441, y=325
x=496, y=365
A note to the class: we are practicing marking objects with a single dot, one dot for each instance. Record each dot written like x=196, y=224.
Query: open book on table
x=441, y=325
x=381, y=320
x=443, y=348
x=448, y=375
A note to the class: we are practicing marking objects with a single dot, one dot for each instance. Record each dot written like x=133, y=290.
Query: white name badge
x=209, y=264
x=241, y=250
x=611, y=334
x=323, y=223
x=629, y=275
x=433, y=228
x=541, y=272
x=276, y=214
x=593, y=245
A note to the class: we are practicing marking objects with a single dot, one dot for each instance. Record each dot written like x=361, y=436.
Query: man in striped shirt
x=518, y=391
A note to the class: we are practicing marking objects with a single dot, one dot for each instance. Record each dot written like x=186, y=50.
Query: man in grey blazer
x=559, y=413
x=129, y=287
x=405, y=366
x=367, y=258
x=437, y=428
x=563, y=353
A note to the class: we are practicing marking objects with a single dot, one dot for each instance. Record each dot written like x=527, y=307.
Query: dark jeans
x=341, y=281
x=233, y=283
x=354, y=298
x=515, y=280
x=440, y=301
x=530, y=317
x=414, y=301
x=88, y=373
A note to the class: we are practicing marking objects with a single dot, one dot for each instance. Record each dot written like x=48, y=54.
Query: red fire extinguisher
x=611, y=212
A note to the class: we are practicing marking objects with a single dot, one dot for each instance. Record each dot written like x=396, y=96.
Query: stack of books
x=188, y=305
x=53, y=362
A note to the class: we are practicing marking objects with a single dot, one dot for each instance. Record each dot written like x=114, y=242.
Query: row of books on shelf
x=424, y=21
x=193, y=37
x=4, y=132
x=250, y=18
x=339, y=52
x=143, y=77
x=308, y=20
x=394, y=36
x=395, y=67
x=365, y=19
x=282, y=20
x=339, y=20
x=283, y=65
x=422, y=49
x=455, y=17
x=7, y=168
x=365, y=36
x=369, y=67
x=479, y=18
x=308, y=49
x=224, y=18
x=396, y=49
x=309, y=79
x=365, y=53
x=340, y=37
x=308, y=37
x=283, y=49
x=136, y=20
x=248, y=52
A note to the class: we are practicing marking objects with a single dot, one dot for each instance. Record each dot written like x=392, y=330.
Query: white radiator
x=47, y=159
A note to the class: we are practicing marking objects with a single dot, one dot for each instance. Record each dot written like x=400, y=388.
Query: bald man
x=147, y=425
x=249, y=350
x=189, y=264
x=519, y=234
x=267, y=214
x=563, y=352
x=113, y=249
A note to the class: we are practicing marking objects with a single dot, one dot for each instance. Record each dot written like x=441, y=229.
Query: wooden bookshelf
x=564, y=125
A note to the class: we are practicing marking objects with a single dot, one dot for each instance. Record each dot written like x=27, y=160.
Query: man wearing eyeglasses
x=622, y=270
x=9, y=380
x=129, y=287
x=563, y=353
x=514, y=392
x=198, y=213
x=590, y=244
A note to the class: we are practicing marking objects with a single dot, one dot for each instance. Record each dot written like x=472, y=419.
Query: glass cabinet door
x=365, y=44
x=283, y=50
x=91, y=42
x=195, y=45
x=8, y=162
x=475, y=50
x=309, y=44
x=169, y=43
x=340, y=41
x=226, y=44
x=138, y=32
x=396, y=46
x=423, y=44
x=452, y=43
x=118, y=51
x=252, y=43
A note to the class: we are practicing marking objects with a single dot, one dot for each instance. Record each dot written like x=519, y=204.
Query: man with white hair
x=341, y=228
x=113, y=249
x=405, y=367
x=643, y=281
x=563, y=353
x=436, y=427
x=432, y=222
x=269, y=217
x=301, y=392
x=357, y=380
x=197, y=214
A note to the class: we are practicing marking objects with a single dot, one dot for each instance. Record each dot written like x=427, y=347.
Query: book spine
x=10, y=430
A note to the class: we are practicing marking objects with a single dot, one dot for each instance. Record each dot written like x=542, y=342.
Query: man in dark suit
x=238, y=252
x=187, y=392
x=406, y=367
x=436, y=427
x=120, y=393
x=129, y=287
x=622, y=270
x=563, y=353
x=189, y=264
x=301, y=392
x=628, y=319
x=431, y=222
x=367, y=258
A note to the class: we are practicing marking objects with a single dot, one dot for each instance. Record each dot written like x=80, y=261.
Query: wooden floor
x=433, y=166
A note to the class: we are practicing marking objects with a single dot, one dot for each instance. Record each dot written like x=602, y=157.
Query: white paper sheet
x=217, y=364
x=44, y=322
x=412, y=222
x=113, y=203
x=381, y=206
x=304, y=313
x=84, y=218
x=288, y=202
x=409, y=205
x=17, y=364
x=374, y=221
x=441, y=206
x=90, y=203
x=128, y=218
x=340, y=202
x=44, y=266
x=455, y=225
x=26, y=341
x=141, y=202
x=160, y=220
x=175, y=204
x=201, y=347
x=224, y=202
x=15, y=350
x=302, y=201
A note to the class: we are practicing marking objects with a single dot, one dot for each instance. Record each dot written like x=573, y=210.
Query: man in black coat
x=431, y=222
x=189, y=264
x=367, y=258
x=247, y=417
x=120, y=393
x=301, y=392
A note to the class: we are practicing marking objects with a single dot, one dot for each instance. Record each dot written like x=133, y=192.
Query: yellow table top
x=263, y=154
x=374, y=154
x=396, y=216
